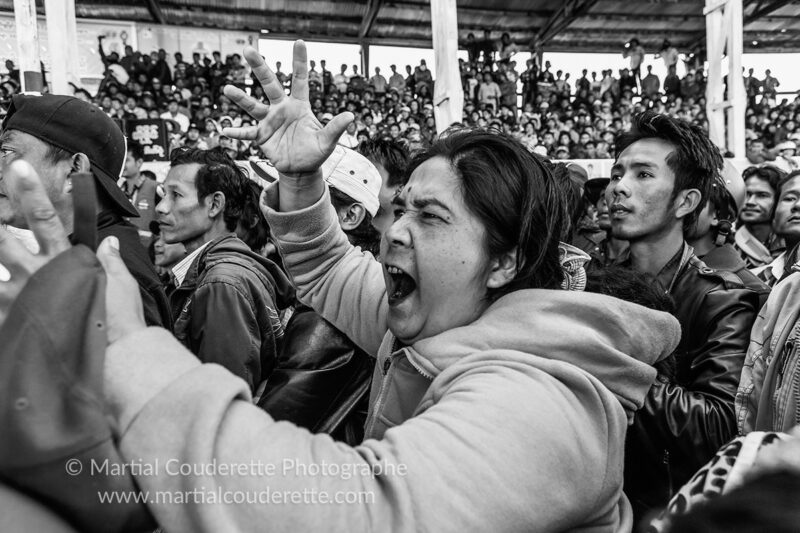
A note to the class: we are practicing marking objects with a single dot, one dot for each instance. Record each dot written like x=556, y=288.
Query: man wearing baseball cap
x=61, y=135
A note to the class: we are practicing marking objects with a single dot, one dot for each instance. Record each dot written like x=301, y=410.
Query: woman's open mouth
x=400, y=285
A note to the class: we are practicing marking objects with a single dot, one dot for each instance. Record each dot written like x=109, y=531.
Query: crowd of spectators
x=550, y=113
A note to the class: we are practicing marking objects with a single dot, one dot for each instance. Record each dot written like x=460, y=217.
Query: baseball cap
x=75, y=126
x=353, y=174
x=345, y=170
x=594, y=187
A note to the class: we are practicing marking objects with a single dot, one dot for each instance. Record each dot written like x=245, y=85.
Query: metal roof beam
x=155, y=11
x=571, y=10
x=762, y=11
x=373, y=7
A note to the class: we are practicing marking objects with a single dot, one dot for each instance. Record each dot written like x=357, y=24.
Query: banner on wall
x=151, y=135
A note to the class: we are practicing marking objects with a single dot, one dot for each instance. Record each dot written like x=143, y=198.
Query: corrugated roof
x=571, y=25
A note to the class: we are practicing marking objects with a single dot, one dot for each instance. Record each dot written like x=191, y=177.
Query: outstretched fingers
x=250, y=105
x=272, y=87
x=299, y=71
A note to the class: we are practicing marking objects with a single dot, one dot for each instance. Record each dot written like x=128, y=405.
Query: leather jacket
x=683, y=422
x=321, y=380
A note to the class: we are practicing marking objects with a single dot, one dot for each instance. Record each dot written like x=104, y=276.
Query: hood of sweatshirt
x=223, y=248
x=615, y=341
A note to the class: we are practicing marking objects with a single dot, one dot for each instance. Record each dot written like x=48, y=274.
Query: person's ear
x=351, y=216
x=80, y=163
x=686, y=202
x=503, y=269
x=215, y=203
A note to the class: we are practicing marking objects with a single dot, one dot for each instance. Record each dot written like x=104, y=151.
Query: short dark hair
x=135, y=150
x=516, y=198
x=769, y=173
x=696, y=161
x=217, y=172
x=391, y=155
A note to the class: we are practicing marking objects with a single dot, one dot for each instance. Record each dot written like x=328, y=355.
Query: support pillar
x=448, y=95
x=725, y=109
x=30, y=70
x=365, y=61
x=62, y=35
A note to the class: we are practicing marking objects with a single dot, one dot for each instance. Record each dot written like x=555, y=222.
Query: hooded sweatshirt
x=515, y=422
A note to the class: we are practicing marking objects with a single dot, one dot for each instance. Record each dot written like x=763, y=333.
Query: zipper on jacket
x=787, y=355
x=386, y=365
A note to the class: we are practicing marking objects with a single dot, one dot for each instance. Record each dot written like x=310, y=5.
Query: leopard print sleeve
x=713, y=479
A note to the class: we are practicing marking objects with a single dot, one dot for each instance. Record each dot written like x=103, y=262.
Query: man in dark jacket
x=227, y=299
x=322, y=378
x=664, y=169
x=59, y=135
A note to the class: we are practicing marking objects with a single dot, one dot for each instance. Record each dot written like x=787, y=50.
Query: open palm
x=287, y=131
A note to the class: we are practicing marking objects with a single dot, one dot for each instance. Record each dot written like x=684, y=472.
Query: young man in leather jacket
x=664, y=170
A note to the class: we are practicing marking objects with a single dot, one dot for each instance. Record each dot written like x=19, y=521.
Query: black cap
x=594, y=187
x=75, y=126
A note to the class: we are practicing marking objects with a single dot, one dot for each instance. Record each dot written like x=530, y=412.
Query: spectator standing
x=410, y=82
x=507, y=49
x=508, y=92
x=341, y=80
x=752, y=87
x=635, y=52
x=314, y=78
x=672, y=83
x=423, y=78
x=473, y=49
x=327, y=78
x=396, y=80
x=583, y=82
x=669, y=54
x=650, y=84
x=770, y=85
x=489, y=92
x=378, y=83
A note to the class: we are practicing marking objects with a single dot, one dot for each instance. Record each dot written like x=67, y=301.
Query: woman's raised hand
x=287, y=131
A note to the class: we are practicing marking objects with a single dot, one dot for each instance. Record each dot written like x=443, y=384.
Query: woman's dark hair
x=217, y=173
x=364, y=235
x=516, y=198
x=696, y=161
x=766, y=503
